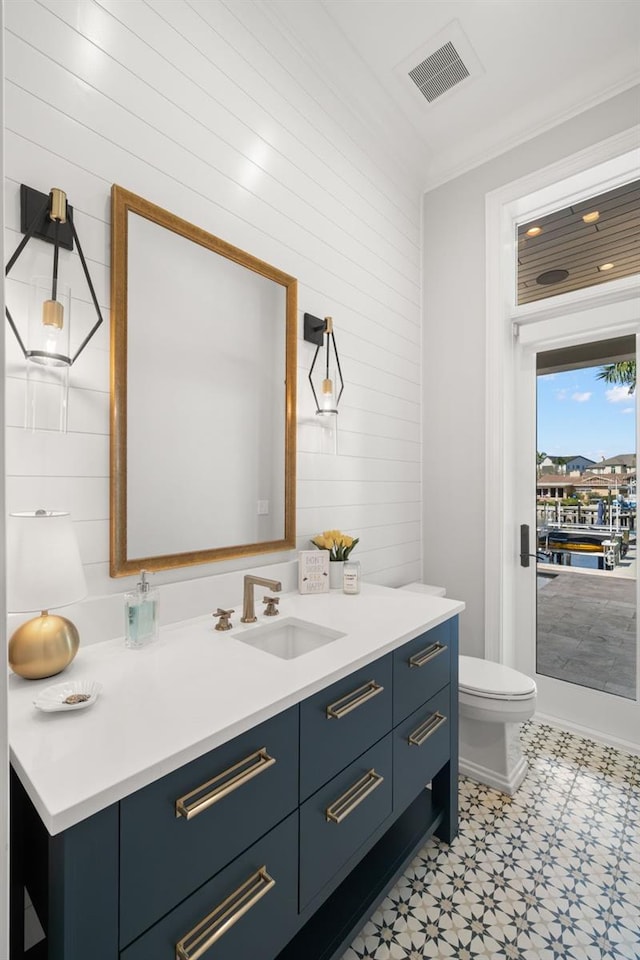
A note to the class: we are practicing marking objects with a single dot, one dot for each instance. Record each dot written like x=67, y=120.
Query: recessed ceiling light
x=552, y=276
x=592, y=217
x=606, y=266
x=534, y=231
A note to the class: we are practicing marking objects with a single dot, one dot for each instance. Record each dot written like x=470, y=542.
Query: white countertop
x=187, y=692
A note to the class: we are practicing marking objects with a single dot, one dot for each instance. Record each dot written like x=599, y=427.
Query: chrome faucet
x=248, y=608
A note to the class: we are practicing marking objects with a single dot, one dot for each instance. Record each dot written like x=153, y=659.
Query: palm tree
x=623, y=372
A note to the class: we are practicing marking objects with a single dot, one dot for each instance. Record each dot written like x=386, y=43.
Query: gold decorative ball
x=43, y=647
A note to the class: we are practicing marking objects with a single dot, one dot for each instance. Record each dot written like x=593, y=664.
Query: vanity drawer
x=262, y=882
x=421, y=746
x=342, y=721
x=164, y=855
x=337, y=820
x=420, y=669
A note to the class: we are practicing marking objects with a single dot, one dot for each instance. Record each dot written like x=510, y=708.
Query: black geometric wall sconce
x=328, y=374
x=49, y=217
x=46, y=343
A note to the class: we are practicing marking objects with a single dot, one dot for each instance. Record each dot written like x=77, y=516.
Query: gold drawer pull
x=356, y=698
x=419, y=659
x=205, y=933
x=426, y=729
x=353, y=797
x=224, y=783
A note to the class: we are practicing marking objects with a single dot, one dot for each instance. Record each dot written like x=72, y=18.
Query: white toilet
x=494, y=700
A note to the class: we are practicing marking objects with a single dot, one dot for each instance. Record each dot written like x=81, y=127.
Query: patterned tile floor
x=552, y=873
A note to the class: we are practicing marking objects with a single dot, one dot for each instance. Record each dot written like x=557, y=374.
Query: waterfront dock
x=587, y=626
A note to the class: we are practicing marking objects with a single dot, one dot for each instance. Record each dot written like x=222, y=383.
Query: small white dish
x=73, y=695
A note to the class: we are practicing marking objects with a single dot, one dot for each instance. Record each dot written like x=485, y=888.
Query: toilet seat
x=493, y=681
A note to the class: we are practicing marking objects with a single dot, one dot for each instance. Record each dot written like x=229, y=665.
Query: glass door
x=577, y=601
x=586, y=516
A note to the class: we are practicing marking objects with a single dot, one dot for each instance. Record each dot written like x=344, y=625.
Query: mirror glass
x=203, y=402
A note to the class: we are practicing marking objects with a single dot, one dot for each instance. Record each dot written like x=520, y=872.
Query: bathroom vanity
x=249, y=794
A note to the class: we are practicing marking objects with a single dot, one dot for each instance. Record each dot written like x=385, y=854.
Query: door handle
x=524, y=544
x=525, y=555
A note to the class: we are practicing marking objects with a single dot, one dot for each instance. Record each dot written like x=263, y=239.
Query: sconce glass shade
x=44, y=570
x=46, y=397
x=328, y=423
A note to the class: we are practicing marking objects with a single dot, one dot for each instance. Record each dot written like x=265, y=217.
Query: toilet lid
x=484, y=678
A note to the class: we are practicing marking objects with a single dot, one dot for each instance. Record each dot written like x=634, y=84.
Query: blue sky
x=578, y=414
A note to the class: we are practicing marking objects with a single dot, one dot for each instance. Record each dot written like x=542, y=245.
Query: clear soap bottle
x=141, y=613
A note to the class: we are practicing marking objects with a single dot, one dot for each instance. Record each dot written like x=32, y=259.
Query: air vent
x=441, y=67
x=439, y=72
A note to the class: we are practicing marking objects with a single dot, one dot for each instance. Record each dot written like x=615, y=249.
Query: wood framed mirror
x=203, y=395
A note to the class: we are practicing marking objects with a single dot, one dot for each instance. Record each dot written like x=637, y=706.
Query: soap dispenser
x=141, y=613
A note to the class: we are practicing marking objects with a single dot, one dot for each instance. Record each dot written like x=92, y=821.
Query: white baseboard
x=609, y=741
x=492, y=778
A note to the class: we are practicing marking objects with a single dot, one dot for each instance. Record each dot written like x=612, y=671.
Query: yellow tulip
x=339, y=544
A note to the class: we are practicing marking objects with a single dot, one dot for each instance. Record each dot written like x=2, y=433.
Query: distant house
x=554, y=486
x=605, y=484
x=547, y=465
x=574, y=465
x=578, y=464
x=623, y=463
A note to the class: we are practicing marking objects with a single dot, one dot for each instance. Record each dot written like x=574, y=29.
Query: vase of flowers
x=339, y=546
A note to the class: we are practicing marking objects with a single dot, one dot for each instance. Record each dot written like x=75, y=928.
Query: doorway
x=576, y=601
x=586, y=516
x=517, y=332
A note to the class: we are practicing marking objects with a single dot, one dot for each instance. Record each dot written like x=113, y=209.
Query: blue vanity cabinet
x=421, y=747
x=421, y=668
x=425, y=683
x=342, y=721
x=315, y=814
x=246, y=912
x=340, y=818
x=179, y=831
x=344, y=874
x=72, y=879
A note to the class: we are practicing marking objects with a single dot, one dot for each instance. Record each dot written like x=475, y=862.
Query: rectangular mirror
x=203, y=353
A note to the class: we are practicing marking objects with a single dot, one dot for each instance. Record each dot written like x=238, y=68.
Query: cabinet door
x=420, y=668
x=169, y=846
x=247, y=912
x=337, y=820
x=421, y=747
x=342, y=721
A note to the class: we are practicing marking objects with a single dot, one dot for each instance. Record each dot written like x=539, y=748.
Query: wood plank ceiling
x=562, y=252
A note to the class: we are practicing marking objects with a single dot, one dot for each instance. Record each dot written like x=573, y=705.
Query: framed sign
x=313, y=571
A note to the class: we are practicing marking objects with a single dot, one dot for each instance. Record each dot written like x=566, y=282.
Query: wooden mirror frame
x=124, y=202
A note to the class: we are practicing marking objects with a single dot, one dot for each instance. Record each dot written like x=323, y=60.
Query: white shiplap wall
x=208, y=109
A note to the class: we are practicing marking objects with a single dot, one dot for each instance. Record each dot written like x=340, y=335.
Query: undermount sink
x=289, y=638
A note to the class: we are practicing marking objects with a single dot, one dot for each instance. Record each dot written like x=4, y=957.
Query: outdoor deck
x=587, y=626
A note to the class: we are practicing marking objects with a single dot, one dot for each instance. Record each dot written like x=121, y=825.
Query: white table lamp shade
x=44, y=569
